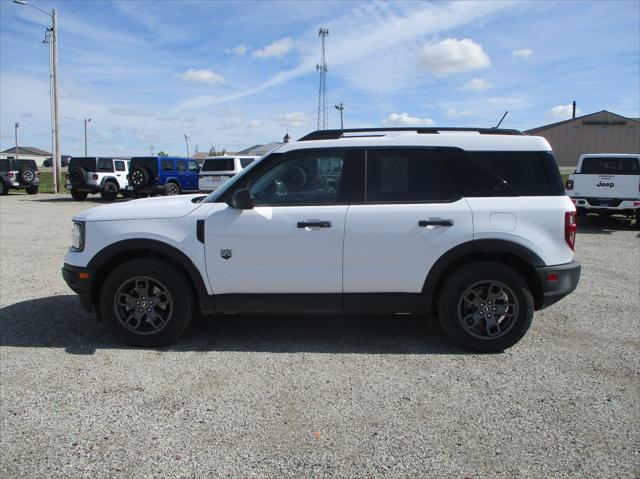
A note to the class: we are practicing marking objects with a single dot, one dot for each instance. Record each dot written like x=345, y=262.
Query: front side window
x=194, y=166
x=300, y=180
x=105, y=166
x=166, y=165
x=405, y=176
x=119, y=165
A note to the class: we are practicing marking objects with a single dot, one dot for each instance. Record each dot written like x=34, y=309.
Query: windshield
x=213, y=196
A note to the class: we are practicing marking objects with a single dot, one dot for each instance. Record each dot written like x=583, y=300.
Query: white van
x=606, y=183
x=218, y=169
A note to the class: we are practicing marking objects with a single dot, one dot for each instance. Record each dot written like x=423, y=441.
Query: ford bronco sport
x=19, y=174
x=472, y=226
x=106, y=176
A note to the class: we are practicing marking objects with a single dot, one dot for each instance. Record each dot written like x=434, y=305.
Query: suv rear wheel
x=147, y=301
x=171, y=189
x=78, y=195
x=32, y=190
x=109, y=191
x=485, y=307
x=4, y=189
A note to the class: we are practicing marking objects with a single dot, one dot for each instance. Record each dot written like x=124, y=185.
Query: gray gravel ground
x=313, y=396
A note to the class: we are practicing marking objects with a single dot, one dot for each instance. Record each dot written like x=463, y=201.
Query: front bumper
x=557, y=282
x=80, y=285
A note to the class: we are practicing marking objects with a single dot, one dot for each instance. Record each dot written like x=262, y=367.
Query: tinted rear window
x=610, y=166
x=17, y=164
x=222, y=164
x=4, y=165
x=89, y=164
x=149, y=163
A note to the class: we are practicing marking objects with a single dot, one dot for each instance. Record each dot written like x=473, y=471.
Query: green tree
x=162, y=153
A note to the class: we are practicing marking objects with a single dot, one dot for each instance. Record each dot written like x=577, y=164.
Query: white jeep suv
x=472, y=226
x=106, y=176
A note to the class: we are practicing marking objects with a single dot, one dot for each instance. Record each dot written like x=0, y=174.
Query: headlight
x=77, y=236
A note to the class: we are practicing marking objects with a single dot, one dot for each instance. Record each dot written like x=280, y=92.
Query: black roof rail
x=336, y=134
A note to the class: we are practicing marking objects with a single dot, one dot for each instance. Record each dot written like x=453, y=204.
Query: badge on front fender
x=225, y=253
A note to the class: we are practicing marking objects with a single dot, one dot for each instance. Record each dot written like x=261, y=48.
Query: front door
x=291, y=242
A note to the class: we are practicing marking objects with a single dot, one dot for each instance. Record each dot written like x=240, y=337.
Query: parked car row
x=149, y=175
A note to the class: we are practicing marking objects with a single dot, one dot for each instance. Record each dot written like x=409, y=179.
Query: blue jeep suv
x=166, y=175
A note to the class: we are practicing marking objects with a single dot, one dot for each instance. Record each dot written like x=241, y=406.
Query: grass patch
x=46, y=182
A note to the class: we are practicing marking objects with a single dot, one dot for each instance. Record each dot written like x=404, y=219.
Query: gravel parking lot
x=244, y=396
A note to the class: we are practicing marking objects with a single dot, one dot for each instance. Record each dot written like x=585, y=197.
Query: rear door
x=607, y=177
x=410, y=217
x=121, y=173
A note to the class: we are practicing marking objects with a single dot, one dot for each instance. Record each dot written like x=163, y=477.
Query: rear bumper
x=608, y=204
x=146, y=190
x=558, y=281
x=82, y=287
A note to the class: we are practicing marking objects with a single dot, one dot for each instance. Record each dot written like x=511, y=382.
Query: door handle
x=437, y=222
x=314, y=224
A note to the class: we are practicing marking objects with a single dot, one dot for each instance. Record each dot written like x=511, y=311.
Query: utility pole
x=340, y=108
x=323, y=116
x=57, y=171
x=17, y=126
x=186, y=139
x=86, y=120
x=151, y=150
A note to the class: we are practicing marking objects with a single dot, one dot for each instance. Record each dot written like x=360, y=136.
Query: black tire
x=27, y=175
x=455, y=306
x=4, y=189
x=79, y=195
x=139, y=177
x=147, y=278
x=637, y=218
x=32, y=190
x=109, y=191
x=77, y=176
x=171, y=189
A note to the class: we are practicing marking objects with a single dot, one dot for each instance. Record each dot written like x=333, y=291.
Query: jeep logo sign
x=605, y=185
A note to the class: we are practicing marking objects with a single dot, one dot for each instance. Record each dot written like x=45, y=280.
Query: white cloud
x=131, y=112
x=524, y=53
x=562, y=112
x=293, y=119
x=254, y=124
x=239, y=50
x=403, y=119
x=454, y=56
x=279, y=48
x=477, y=84
x=202, y=76
x=453, y=113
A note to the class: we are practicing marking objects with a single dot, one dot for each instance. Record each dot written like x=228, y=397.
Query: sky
x=234, y=74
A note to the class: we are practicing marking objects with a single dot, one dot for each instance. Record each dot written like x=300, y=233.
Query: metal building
x=601, y=132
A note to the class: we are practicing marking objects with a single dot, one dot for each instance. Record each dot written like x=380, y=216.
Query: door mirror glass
x=242, y=200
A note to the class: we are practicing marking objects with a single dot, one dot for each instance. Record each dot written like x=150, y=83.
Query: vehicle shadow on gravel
x=96, y=199
x=603, y=225
x=60, y=322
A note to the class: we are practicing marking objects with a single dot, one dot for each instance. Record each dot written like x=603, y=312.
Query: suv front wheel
x=147, y=301
x=485, y=307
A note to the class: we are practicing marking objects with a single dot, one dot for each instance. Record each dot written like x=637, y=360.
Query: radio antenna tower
x=323, y=115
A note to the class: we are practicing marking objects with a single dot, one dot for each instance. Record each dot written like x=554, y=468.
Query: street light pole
x=186, y=139
x=86, y=120
x=17, y=126
x=57, y=172
x=340, y=108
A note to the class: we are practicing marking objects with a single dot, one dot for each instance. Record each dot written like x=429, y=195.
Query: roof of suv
x=478, y=139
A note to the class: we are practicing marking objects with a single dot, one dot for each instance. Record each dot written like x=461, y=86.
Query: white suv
x=471, y=226
x=606, y=183
x=218, y=169
x=89, y=175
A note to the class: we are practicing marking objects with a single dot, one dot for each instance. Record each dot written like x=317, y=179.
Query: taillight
x=37, y=174
x=570, y=227
x=569, y=184
x=95, y=176
x=10, y=174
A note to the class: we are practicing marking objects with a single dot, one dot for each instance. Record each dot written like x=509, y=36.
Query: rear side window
x=166, y=165
x=244, y=162
x=610, y=166
x=406, y=176
x=4, y=165
x=119, y=165
x=105, y=166
x=218, y=164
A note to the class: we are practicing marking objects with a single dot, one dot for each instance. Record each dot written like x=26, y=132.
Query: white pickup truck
x=606, y=184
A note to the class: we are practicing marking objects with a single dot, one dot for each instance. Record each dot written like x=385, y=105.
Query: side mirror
x=241, y=200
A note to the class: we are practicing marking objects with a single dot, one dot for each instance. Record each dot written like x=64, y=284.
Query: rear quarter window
x=610, y=166
x=88, y=164
x=105, y=166
x=244, y=162
x=166, y=165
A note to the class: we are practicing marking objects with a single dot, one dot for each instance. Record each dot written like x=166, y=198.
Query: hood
x=143, y=209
